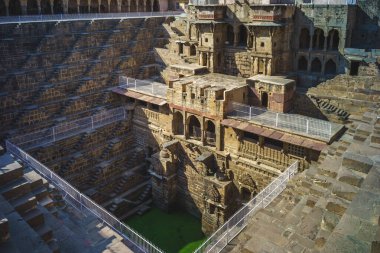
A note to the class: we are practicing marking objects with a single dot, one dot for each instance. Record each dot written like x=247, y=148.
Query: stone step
x=24, y=203
x=34, y=179
x=45, y=232
x=34, y=217
x=15, y=189
x=10, y=170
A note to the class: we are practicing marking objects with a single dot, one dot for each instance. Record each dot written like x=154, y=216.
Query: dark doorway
x=230, y=35
x=83, y=6
x=94, y=7
x=180, y=48
x=330, y=67
x=32, y=7
x=58, y=7
x=104, y=6
x=15, y=8
x=148, y=6
x=3, y=9
x=264, y=99
x=318, y=39
x=194, y=128
x=302, y=63
x=133, y=6
x=304, y=40
x=261, y=66
x=245, y=194
x=124, y=6
x=73, y=7
x=156, y=5
x=354, y=68
x=316, y=66
x=45, y=7
x=193, y=50
x=333, y=40
x=243, y=36
x=204, y=59
x=178, y=127
x=113, y=6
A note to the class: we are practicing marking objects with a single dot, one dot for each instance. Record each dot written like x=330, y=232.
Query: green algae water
x=174, y=232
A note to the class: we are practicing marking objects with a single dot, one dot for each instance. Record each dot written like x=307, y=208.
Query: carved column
x=255, y=66
x=311, y=40
x=269, y=68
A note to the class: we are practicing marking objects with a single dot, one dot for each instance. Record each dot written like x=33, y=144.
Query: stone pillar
x=256, y=66
x=39, y=7
x=185, y=126
x=323, y=66
x=211, y=62
x=325, y=43
x=331, y=40
x=309, y=63
x=236, y=36
x=265, y=66
x=218, y=136
x=203, y=134
x=311, y=41
x=7, y=8
x=269, y=68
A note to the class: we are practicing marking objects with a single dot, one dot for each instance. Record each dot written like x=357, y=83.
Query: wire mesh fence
x=81, y=202
x=152, y=88
x=217, y=241
x=296, y=123
x=70, y=128
x=85, y=16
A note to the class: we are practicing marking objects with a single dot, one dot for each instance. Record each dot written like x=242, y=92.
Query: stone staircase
x=331, y=207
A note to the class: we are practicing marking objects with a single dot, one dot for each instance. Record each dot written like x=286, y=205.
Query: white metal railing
x=208, y=2
x=229, y=230
x=82, y=202
x=328, y=2
x=85, y=16
x=68, y=129
x=152, y=88
x=296, y=123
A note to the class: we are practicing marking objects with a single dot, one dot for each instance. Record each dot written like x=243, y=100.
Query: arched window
x=3, y=8
x=32, y=7
x=333, y=40
x=230, y=35
x=104, y=6
x=178, y=128
x=243, y=35
x=304, y=40
x=330, y=67
x=156, y=5
x=45, y=7
x=133, y=6
x=14, y=8
x=302, y=63
x=72, y=7
x=210, y=133
x=113, y=6
x=148, y=6
x=193, y=50
x=124, y=6
x=316, y=66
x=194, y=127
x=318, y=39
x=83, y=6
x=94, y=7
x=58, y=7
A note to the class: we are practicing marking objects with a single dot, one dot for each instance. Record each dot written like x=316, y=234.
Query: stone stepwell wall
x=54, y=71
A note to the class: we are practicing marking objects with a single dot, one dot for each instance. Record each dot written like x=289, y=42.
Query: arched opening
x=318, y=39
x=104, y=6
x=245, y=194
x=261, y=68
x=58, y=7
x=156, y=5
x=178, y=127
x=133, y=6
x=243, y=36
x=193, y=50
x=113, y=6
x=140, y=6
x=14, y=8
x=304, y=40
x=333, y=40
x=194, y=128
x=330, y=67
x=204, y=59
x=316, y=66
x=72, y=7
x=94, y=6
x=3, y=10
x=32, y=7
x=302, y=63
x=83, y=6
x=264, y=99
x=230, y=35
x=180, y=48
x=210, y=133
x=124, y=6
x=45, y=7
x=148, y=6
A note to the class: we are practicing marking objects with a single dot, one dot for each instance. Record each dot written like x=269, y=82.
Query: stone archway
x=124, y=6
x=83, y=6
x=72, y=7
x=193, y=50
x=133, y=7
x=243, y=35
x=330, y=67
x=177, y=124
x=156, y=5
x=264, y=99
x=32, y=7
x=302, y=63
x=3, y=8
x=304, y=39
x=318, y=39
x=194, y=127
x=148, y=6
x=230, y=35
x=15, y=8
x=333, y=40
x=247, y=187
x=210, y=133
x=316, y=66
x=113, y=6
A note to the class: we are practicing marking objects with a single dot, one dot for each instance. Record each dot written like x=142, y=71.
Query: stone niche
x=271, y=92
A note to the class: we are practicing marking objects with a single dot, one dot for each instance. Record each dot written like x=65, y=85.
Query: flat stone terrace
x=334, y=206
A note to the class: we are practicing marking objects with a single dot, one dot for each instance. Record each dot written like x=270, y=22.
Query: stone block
x=357, y=162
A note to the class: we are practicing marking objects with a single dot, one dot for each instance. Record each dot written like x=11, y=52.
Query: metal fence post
x=276, y=119
x=250, y=113
x=307, y=126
